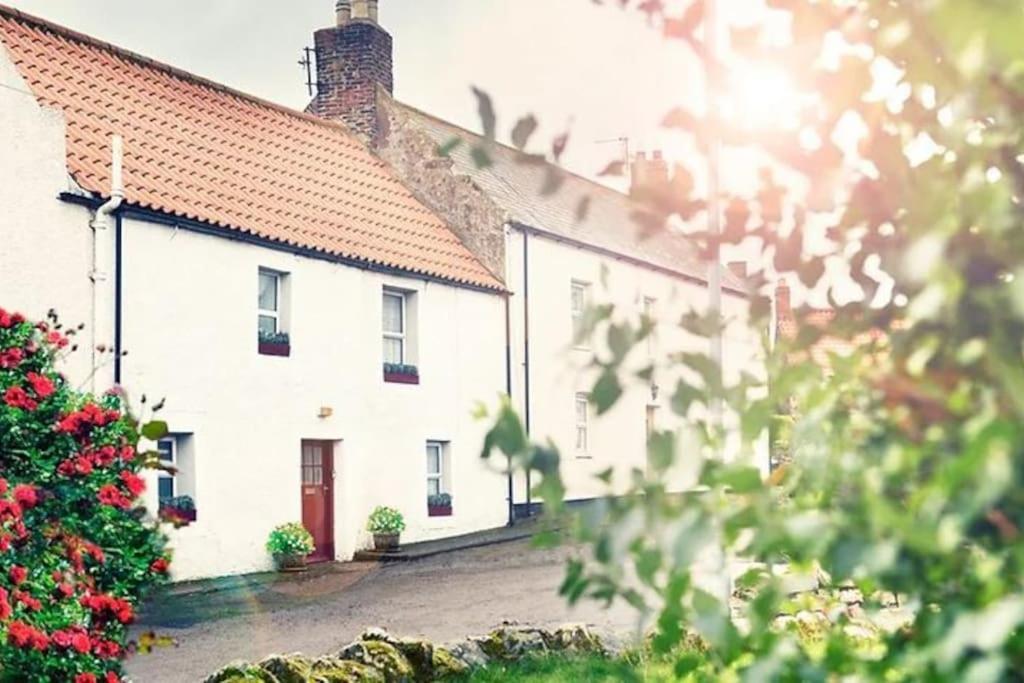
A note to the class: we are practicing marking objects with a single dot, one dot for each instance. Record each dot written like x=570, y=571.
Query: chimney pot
x=343, y=11
x=365, y=9
x=657, y=155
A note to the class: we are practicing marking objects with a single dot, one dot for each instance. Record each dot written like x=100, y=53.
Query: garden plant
x=894, y=192
x=77, y=551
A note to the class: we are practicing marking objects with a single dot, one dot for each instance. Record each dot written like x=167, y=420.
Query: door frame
x=327, y=450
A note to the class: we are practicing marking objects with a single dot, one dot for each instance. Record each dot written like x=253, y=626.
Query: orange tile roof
x=199, y=150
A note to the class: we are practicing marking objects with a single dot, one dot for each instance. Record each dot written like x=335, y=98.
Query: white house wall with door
x=194, y=304
x=314, y=330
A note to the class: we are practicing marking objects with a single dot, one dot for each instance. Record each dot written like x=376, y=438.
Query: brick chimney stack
x=649, y=176
x=353, y=59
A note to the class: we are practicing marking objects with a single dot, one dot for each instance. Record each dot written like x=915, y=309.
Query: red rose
x=41, y=384
x=107, y=649
x=160, y=565
x=85, y=678
x=26, y=496
x=113, y=677
x=110, y=495
x=19, y=634
x=5, y=606
x=16, y=397
x=11, y=358
x=80, y=642
x=133, y=483
x=3, y=486
x=18, y=575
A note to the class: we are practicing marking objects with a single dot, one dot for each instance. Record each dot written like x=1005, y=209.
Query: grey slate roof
x=608, y=226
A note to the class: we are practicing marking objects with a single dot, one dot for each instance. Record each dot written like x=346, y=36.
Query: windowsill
x=275, y=349
x=586, y=349
x=584, y=456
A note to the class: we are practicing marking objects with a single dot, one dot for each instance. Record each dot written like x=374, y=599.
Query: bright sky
x=599, y=68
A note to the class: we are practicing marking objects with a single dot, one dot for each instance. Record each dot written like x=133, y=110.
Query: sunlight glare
x=761, y=97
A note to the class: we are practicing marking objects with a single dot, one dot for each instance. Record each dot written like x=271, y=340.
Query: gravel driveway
x=442, y=598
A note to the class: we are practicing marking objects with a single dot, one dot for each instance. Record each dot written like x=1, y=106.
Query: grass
x=550, y=669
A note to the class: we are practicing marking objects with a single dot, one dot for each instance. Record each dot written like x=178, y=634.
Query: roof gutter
x=201, y=227
x=539, y=232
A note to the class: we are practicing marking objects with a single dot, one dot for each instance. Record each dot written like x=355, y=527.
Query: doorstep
x=478, y=539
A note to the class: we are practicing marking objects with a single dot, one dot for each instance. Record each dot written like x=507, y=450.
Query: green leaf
x=154, y=430
x=606, y=391
x=523, y=131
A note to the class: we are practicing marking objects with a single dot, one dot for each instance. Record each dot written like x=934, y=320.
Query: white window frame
x=403, y=336
x=582, y=425
x=578, y=315
x=163, y=475
x=649, y=302
x=439, y=475
x=275, y=314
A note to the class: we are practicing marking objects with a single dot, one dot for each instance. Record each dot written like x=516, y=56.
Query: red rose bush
x=76, y=551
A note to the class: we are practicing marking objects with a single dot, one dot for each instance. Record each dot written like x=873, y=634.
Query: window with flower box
x=175, y=482
x=398, y=308
x=439, y=497
x=272, y=325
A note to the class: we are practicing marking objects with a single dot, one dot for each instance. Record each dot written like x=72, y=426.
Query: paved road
x=443, y=598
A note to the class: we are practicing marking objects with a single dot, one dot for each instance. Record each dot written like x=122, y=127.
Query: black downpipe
x=526, y=357
x=118, y=289
x=508, y=392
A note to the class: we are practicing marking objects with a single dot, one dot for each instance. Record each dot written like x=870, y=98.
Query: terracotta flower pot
x=385, y=542
x=291, y=563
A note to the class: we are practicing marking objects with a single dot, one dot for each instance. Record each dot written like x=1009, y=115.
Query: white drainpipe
x=101, y=222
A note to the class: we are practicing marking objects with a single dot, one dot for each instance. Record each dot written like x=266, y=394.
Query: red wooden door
x=318, y=498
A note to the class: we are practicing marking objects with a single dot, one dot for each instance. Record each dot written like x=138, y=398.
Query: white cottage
x=558, y=250
x=321, y=336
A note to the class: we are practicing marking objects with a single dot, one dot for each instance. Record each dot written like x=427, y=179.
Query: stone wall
x=469, y=211
x=379, y=657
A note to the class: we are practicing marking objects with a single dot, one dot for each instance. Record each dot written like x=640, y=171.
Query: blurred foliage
x=907, y=473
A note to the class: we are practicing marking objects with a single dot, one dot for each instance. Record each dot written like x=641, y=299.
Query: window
x=437, y=480
x=165, y=483
x=580, y=301
x=270, y=303
x=649, y=315
x=582, y=415
x=394, y=328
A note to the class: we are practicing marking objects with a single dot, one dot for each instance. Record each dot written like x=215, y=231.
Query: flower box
x=177, y=516
x=401, y=374
x=179, y=511
x=439, y=505
x=275, y=344
x=275, y=349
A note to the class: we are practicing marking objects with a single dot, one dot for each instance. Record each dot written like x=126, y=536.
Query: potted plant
x=386, y=524
x=179, y=511
x=274, y=344
x=401, y=374
x=290, y=544
x=439, y=505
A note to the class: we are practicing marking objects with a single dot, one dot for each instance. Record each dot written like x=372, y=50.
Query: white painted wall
x=190, y=315
x=45, y=244
x=558, y=371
